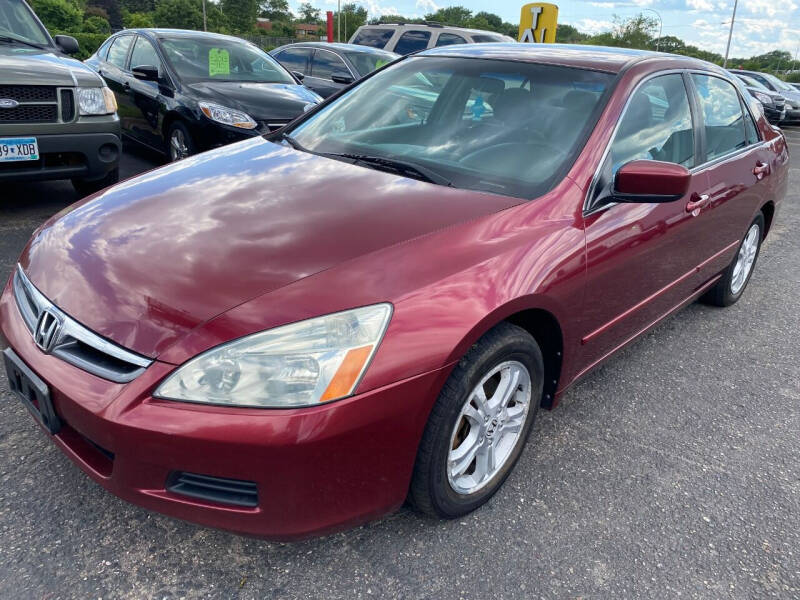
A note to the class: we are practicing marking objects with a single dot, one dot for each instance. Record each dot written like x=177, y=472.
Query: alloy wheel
x=489, y=427
x=744, y=261
x=178, y=149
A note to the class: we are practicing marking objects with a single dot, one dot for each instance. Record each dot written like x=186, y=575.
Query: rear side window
x=102, y=53
x=119, y=51
x=325, y=64
x=722, y=114
x=657, y=125
x=376, y=38
x=487, y=39
x=412, y=41
x=448, y=39
x=295, y=59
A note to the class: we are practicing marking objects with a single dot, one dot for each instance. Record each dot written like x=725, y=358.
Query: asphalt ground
x=672, y=471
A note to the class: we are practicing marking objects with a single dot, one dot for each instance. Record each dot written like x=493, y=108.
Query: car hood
x=259, y=100
x=151, y=258
x=21, y=65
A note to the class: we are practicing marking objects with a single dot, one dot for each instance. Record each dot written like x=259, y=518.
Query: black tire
x=430, y=491
x=722, y=293
x=84, y=187
x=179, y=130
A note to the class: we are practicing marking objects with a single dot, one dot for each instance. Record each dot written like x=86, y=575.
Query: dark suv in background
x=57, y=118
x=791, y=94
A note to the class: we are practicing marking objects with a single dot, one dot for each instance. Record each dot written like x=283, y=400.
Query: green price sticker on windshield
x=380, y=62
x=219, y=62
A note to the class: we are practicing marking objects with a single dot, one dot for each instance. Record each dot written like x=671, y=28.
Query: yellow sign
x=537, y=23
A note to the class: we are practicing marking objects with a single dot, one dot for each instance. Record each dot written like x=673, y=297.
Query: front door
x=144, y=98
x=642, y=258
x=324, y=65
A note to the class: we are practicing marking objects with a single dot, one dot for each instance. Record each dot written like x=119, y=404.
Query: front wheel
x=479, y=424
x=735, y=278
x=180, y=143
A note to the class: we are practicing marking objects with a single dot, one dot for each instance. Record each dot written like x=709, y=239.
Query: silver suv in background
x=405, y=38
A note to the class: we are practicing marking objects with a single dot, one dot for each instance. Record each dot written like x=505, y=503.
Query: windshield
x=366, y=62
x=753, y=82
x=17, y=22
x=781, y=85
x=219, y=59
x=507, y=127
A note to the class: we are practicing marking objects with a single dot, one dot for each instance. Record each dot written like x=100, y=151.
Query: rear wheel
x=180, y=143
x=736, y=277
x=479, y=424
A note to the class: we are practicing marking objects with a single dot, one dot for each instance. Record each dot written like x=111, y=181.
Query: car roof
x=340, y=46
x=432, y=25
x=602, y=58
x=165, y=32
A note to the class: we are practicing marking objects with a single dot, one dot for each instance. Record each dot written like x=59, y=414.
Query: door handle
x=761, y=169
x=697, y=202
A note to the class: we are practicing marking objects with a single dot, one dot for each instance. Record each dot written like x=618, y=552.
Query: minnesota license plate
x=16, y=149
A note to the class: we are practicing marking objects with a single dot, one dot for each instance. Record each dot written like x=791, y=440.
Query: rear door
x=113, y=70
x=642, y=258
x=736, y=164
x=297, y=60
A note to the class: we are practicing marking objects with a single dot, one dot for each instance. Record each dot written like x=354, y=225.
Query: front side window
x=375, y=38
x=412, y=41
x=657, y=125
x=295, y=59
x=722, y=115
x=449, y=39
x=505, y=127
x=102, y=53
x=197, y=59
x=119, y=51
x=144, y=54
x=325, y=64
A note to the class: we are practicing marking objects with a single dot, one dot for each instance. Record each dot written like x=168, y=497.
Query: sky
x=761, y=25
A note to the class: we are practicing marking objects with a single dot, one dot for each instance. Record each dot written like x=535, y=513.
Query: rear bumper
x=315, y=470
x=64, y=156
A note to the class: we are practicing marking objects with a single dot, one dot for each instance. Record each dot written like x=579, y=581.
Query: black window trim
x=404, y=31
x=310, y=50
x=166, y=74
x=341, y=59
x=458, y=35
x=589, y=208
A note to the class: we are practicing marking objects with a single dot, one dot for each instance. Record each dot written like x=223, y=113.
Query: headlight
x=763, y=98
x=227, y=116
x=96, y=101
x=302, y=364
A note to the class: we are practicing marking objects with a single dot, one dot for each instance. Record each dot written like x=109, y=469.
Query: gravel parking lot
x=672, y=470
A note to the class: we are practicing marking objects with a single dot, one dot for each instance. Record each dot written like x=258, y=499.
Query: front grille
x=28, y=93
x=72, y=342
x=215, y=489
x=30, y=113
x=67, y=106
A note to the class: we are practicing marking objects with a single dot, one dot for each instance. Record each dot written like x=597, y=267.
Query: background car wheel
x=179, y=142
x=85, y=187
x=735, y=278
x=479, y=424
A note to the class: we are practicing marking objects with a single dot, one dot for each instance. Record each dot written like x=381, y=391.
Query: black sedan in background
x=327, y=68
x=774, y=103
x=182, y=92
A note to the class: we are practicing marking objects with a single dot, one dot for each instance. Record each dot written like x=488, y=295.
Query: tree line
x=91, y=19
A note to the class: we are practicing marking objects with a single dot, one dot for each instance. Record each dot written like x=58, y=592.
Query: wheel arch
x=768, y=210
x=538, y=317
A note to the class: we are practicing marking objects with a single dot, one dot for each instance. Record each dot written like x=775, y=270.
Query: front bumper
x=791, y=115
x=316, y=470
x=774, y=115
x=68, y=155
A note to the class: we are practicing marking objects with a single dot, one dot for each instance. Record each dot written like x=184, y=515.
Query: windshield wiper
x=400, y=167
x=8, y=38
x=293, y=142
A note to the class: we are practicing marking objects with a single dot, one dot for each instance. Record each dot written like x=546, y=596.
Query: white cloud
x=426, y=6
x=594, y=26
x=700, y=5
x=603, y=4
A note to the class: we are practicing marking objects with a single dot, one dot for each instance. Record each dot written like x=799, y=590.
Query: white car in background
x=405, y=38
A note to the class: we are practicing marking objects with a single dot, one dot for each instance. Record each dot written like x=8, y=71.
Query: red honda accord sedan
x=291, y=335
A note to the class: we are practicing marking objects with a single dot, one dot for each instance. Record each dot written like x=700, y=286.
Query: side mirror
x=650, y=181
x=298, y=75
x=342, y=77
x=145, y=72
x=67, y=44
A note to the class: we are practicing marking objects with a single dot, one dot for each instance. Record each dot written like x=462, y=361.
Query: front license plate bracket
x=31, y=390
